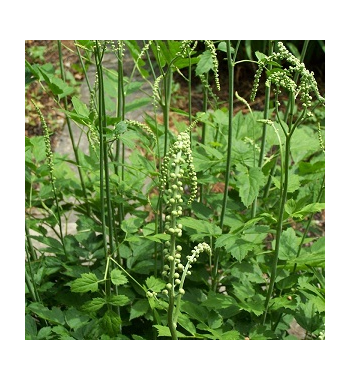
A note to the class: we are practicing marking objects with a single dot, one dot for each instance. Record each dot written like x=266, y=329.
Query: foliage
x=236, y=194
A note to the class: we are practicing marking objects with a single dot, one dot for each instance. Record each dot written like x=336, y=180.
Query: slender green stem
x=230, y=65
x=264, y=128
x=308, y=224
x=166, y=106
x=190, y=91
x=75, y=149
x=205, y=107
x=102, y=125
x=31, y=251
x=279, y=226
x=230, y=61
x=49, y=157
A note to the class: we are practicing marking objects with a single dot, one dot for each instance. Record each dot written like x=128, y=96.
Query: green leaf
x=118, y=278
x=44, y=333
x=211, y=152
x=94, y=305
x=131, y=225
x=293, y=183
x=205, y=63
x=30, y=328
x=222, y=46
x=80, y=107
x=218, y=301
x=201, y=211
x=290, y=206
x=118, y=300
x=231, y=335
x=165, y=331
x=110, y=323
x=309, y=209
x=186, y=323
x=137, y=103
x=249, y=184
x=120, y=128
x=56, y=85
x=55, y=315
x=201, y=162
x=201, y=226
x=260, y=56
x=282, y=302
x=288, y=245
x=155, y=284
x=87, y=282
x=195, y=311
x=256, y=304
x=139, y=308
x=75, y=319
x=234, y=245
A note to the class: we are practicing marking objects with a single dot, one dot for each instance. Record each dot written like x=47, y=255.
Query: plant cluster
x=204, y=227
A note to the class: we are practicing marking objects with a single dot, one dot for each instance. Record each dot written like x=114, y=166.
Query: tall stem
x=279, y=225
x=266, y=116
x=231, y=69
x=205, y=106
x=75, y=149
x=103, y=148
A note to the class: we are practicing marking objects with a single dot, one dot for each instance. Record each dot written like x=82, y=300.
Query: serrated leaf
x=155, y=284
x=139, y=308
x=205, y=63
x=118, y=300
x=288, y=245
x=87, y=282
x=118, y=278
x=55, y=315
x=94, y=305
x=165, y=331
x=309, y=209
x=237, y=247
x=110, y=323
x=256, y=305
x=249, y=184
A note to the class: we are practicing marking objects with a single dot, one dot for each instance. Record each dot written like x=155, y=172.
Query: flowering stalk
x=281, y=78
x=49, y=157
x=172, y=177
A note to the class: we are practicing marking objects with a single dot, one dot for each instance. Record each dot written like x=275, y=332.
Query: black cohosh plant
x=288, y=74
x=177, y=165
x=154, y=197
